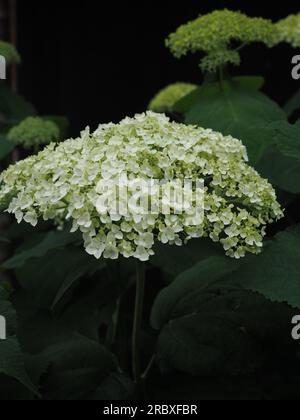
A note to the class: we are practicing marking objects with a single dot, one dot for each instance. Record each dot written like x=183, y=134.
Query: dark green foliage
x=216, y=328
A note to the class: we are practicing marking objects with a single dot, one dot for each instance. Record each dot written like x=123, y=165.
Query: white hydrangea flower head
x=65, y=182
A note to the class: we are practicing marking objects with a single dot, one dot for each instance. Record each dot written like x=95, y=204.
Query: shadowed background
x=99, y=61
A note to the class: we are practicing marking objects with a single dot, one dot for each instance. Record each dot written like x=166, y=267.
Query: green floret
x=9, y=52
x=165, y=100
x=215, y=33
x=34, y=132
x=289, y=30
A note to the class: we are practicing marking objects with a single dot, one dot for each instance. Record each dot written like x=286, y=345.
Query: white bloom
x=70, y=182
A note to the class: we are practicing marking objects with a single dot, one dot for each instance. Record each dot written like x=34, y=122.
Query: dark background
x=97, y=61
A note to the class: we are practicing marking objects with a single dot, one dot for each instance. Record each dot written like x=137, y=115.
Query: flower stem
x=138, y=317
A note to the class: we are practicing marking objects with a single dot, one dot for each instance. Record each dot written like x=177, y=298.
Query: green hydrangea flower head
x=220, y=35
x=9, y=52
x=67, y=182
x=289, y=30
x=165, y=100
x=34, y=132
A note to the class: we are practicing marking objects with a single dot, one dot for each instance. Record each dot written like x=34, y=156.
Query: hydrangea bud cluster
x=289, y=30
x=219, y=35
x=34, y=132
x=165, y=100
x=64, y=183
x=9, y=52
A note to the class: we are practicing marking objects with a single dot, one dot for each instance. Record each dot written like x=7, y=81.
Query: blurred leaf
x=115, y=387
x=11, y=357
x=8, y=312
x=72, y=385
x=230, y=332
x=92, y=307
x=6, y=147
x=254, y=83
x=24, y=231
x=5, y=240
x=79, y=352
x=293, y=104
x=85, y=265
x=77, y=368
x=174, y=260
x=50, y=241
x=12, y=363
x=13, y=390
x=208, y=344
x=187, y=286
x=13, y=107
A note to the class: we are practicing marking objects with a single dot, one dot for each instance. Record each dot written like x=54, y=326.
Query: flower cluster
x=289, y=30
x=216, y=34
x=9, y=52
x=64, y=183
x=34, y=132
x=165, y=100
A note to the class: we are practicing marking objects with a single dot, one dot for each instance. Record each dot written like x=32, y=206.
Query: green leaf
x=77, y=368
x=293, y=104
x=72, y=385
x=254, y=83
x=247, y=82
x=115, y=387
x=171, y=302
x=174, y=260
x=12, y=390
x=287, y=138
x=84, y=265
x=209, y=325
x=13, y=107
x=206, y=344
x=280, y=170
x=280, y=163
x=237, y=111
x=8, y=312
x=276, y=273
x=225, y=331
x=11, y=357
x=50, y=241
x=12, y=363
x=79, y=352
x=87, y=311
x=70, y=283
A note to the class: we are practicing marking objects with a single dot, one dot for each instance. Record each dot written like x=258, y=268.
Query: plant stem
x=138, y=317
x=149, y=367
